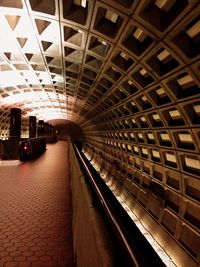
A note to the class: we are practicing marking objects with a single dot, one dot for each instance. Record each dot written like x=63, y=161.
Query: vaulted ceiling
x=125, y=71
x=75, y=59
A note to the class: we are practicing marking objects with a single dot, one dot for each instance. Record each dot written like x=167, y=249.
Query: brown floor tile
x=35, y=201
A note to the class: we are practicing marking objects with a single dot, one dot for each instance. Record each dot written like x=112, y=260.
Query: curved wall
x=126, y=72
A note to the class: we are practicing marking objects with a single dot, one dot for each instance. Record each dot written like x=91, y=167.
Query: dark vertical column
x=15, y=123
x=54, y=131
x=50, y=129
x=40, y=130
x=46, y=128
x=32, y=126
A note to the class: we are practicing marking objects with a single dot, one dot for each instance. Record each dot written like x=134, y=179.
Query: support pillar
x=40, y=130
x=15, y=123
x=46, y=128
x=32, y=127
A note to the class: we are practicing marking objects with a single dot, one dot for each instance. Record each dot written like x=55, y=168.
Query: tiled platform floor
x=35, y=211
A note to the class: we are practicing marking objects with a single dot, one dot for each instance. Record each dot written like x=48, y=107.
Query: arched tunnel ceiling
x=127, y=72
x=76, y=59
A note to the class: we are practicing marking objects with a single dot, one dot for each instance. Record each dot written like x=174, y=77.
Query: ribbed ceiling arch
x=126, y=72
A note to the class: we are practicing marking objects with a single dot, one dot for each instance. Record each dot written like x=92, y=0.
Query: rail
x=136, y=248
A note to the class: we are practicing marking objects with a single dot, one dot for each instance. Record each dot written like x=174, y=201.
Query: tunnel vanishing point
x=123, y=77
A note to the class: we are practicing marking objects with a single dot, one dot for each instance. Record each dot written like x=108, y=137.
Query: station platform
x=36, y=211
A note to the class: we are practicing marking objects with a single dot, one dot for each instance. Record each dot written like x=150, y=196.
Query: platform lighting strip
x=158, y=249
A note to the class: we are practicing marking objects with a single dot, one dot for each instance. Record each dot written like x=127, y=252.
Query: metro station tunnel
x=99, y=133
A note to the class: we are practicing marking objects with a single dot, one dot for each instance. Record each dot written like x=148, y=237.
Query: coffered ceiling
x=127, y=72
x=65, y=59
